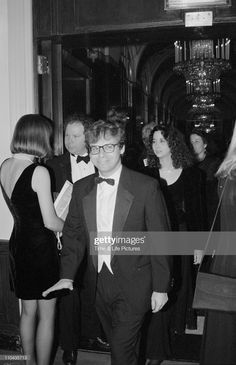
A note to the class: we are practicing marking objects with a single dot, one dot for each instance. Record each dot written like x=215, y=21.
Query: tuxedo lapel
x=89, y=205
x=124, y=200
x=66, y=168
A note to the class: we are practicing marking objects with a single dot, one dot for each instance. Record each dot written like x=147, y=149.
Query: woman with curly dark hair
x=171, y=163
x=179, y=157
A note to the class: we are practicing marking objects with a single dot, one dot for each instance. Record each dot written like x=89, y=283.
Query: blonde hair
x=32, y=135
x=228, y=165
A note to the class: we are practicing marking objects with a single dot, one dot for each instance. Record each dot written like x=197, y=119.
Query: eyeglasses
x=108, y=148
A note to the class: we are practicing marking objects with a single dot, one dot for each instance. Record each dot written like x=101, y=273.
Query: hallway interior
x=190, y=343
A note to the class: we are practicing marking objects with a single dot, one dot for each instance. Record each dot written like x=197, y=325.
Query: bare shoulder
x=6, y=163
x=40, y=177
x=6, y=168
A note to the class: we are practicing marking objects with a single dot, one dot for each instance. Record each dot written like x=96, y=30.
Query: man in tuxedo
x=116, y=199
x=75, y=163
x=76, y=319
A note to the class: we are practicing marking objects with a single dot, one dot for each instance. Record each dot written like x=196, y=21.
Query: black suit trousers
x=77, y=315
x=121, y=325
x=77, y=319
x=69, y=320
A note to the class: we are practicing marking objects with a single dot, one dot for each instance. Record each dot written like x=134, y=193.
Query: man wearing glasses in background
x=116, y=200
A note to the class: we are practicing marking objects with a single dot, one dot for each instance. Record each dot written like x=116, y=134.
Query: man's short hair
x=79, y=118
x=104, y=129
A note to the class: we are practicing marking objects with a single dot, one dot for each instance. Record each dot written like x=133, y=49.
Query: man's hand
x=61, y=284
x=158, y=300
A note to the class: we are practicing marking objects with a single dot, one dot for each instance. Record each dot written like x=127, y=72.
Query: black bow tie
x=86, y=159
x=99, y=180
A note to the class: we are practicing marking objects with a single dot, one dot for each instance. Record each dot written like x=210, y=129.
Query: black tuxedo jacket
x=60, y=171
x=139, y=207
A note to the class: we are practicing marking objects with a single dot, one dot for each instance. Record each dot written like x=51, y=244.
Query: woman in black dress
x=207, y=161
x=181, y=185
x=34, y=261
x=219, y=336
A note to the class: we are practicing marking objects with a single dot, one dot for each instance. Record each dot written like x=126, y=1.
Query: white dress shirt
x=81, y=169
x=106, y=200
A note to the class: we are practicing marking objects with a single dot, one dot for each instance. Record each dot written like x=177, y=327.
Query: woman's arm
x=41, y=184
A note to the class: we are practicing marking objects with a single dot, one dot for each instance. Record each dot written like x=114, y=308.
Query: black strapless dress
x=34, y=260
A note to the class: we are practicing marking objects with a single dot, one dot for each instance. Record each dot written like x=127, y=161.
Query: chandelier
x=203, y=104
x=202, y=108
x=204, y=116
x=202, y=62
x=202, y=86
x=204, y=124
